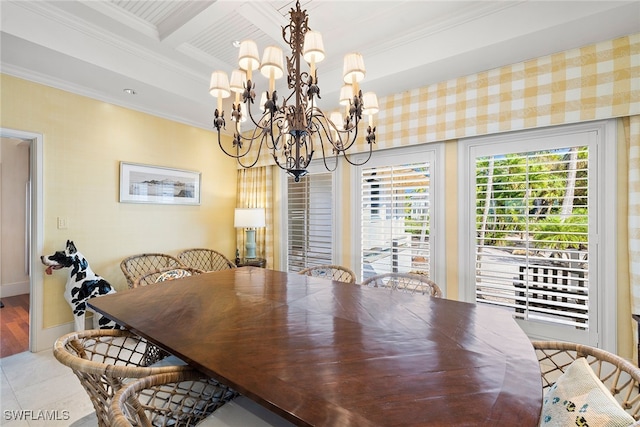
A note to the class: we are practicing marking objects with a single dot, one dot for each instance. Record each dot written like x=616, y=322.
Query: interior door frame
x=38, y=340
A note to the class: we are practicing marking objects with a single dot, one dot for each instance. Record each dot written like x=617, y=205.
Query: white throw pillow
x=580, y=398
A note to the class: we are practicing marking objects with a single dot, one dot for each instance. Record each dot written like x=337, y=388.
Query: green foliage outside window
x=539, y=197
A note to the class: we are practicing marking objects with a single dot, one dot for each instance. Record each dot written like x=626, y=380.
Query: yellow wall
x=84, y=142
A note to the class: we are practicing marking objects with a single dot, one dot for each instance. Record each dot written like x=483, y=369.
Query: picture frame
x=157, y=184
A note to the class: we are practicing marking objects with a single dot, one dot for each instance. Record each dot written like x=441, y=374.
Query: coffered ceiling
x=166, y=50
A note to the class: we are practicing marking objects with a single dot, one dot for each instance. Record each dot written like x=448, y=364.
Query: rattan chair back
x=620, y=376
x=136, y=265
x=170, y=399
x=205, y=259
x=163, y=274
x=103, y=359
x=405, y=282
x=332, y=272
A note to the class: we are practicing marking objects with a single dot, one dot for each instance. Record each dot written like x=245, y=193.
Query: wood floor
x=14, y=325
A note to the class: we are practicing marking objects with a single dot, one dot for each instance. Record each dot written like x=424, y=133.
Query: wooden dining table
x=324, y=353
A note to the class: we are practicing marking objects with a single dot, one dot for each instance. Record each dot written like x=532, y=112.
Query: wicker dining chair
x=163, y=274
x=619, y=376
x=136, y=265
x=205, y=259
x=404, y=282
x=170, y=399
x=104, y=359
x=332, y=272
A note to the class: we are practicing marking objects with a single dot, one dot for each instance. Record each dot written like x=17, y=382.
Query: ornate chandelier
x=292, y=129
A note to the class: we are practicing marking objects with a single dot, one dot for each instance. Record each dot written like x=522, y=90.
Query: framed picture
x=155, y=184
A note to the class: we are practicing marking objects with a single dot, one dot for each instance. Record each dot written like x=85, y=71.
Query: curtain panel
x=255, y=191
x=632, y=138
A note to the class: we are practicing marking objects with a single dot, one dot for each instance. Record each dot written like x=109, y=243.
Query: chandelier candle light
x=291, y=129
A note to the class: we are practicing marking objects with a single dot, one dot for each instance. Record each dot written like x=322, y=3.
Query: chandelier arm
x=351, y=137
x=255, y=161
x=238, y=156
x=241, y=138
x=256, y=124
x=324, y=155
x=271, y=119
x=235, y=156
x=322, y=123
x=346, y=156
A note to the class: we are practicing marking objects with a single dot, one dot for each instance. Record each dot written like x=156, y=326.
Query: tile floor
x=35, y=386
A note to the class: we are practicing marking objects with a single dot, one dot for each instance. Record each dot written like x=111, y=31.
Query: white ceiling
x=166, y=50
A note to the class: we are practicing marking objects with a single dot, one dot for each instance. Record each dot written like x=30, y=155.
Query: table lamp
x=249, y=219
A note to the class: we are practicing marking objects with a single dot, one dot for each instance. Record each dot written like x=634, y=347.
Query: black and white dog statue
x=82, y=284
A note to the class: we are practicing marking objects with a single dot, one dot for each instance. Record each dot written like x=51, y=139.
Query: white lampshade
x=346, y=94
x=248, y=55
x=336, y=119
x=313, y=50
x=370, y=103
x=219, y=86
x=353, y=68
x=249, y=218
x=238, y=80
x=272, y=61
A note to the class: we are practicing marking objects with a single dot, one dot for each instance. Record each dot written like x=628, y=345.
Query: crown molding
x=75, y=89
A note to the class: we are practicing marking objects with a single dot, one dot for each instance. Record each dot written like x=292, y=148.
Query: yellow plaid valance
x=600, y=81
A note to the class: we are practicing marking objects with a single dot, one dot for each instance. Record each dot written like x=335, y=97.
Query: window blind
x=532, y=234
x=395, y=220
x=310, y=216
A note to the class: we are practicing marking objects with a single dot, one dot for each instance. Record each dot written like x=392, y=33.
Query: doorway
x=14, y=249
x=22, y=229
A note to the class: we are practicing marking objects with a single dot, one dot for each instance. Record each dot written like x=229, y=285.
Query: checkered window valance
x=599, y=81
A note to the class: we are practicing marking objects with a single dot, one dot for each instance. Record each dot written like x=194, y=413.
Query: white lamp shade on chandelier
x=272, y=62
x=238, y=81
x=346, y=94
x=313, y=51
x=353, y=70
x=219, y=86
x=248, y=56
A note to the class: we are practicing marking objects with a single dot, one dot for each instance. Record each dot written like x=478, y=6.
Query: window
x=397, y=231
x=310, y=221
x=532, y=243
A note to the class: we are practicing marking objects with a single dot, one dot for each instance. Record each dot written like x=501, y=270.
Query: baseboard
x=12, y=289
x=47, y=337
